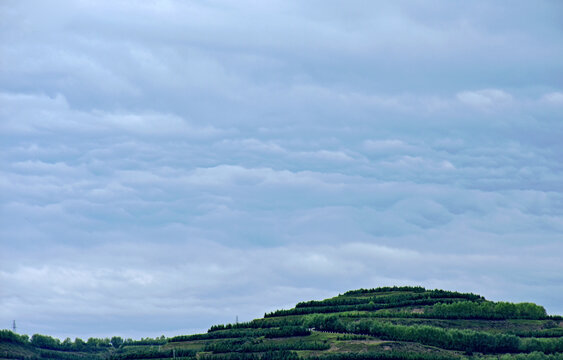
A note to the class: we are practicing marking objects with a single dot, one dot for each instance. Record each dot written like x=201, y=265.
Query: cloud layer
x=169, y=165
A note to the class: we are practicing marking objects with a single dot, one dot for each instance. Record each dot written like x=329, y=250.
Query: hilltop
x=380, y=323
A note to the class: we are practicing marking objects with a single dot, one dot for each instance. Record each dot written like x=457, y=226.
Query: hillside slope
x=381, y=323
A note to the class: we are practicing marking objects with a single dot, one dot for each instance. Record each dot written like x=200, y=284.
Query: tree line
x=151, y=353
x=252, y=345
x=536, y=355
x=452, y=339
x=284, y=331
x=92, y=344
x=12, y=337
x=487, y=310
x=395, y=355
x=439, y=308
x=434, y=356
x=58, y=355
x=471, y=310
x=269, y=355
x=548, y=333
x=48, y=342
x=257, y=324
x=385, y=289
x=390, y=299
x=371, y=306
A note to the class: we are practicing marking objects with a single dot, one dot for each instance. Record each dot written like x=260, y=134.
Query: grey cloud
x=210, y=53
x=193, y=282
x=168, y=165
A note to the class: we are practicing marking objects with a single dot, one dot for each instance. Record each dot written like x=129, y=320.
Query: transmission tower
x=14, y=325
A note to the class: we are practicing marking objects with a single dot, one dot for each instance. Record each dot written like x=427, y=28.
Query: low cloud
x=484, y=99
x=555, y=98
x=191, y=284
x=43, y=115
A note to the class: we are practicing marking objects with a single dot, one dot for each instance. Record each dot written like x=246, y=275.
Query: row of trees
x=453, y=339
x=258, y=323
x=144, y=341
x=347, y=337
x=434, y=356
x=487, y=310
x=92, y=344
x=270, y=355
x=48, y=342
x=545, y=345
x=284, y=331
x=287, y=331
x=548, y=333
x=371, y=306
x=12, y=337
x=391, y=299
x=57, y=355
x=442, y=308
x=151, y=353
x=251, y=345
x=220, y=334
x=395, y=355
x=385, y=289
x=536, y=355
x=472, y=310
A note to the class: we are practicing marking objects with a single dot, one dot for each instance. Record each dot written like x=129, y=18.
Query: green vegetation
x=381, y=323
x=250, y=345
x=487, y=310
x=154, y=354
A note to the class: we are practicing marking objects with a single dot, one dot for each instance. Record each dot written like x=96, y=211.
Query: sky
x=168, y=165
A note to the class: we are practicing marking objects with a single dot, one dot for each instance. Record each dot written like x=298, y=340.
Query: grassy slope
x=336, y=319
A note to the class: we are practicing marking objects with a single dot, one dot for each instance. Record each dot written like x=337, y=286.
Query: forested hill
x=381, y=323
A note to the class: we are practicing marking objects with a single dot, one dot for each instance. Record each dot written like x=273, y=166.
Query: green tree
x=116, y=341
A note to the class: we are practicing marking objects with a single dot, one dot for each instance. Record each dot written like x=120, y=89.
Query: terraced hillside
x=381, y=323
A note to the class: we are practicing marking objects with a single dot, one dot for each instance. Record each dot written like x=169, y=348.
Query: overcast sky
x=169, y=165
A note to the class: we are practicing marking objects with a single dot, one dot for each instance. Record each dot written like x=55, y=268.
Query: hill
x=381, y=323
